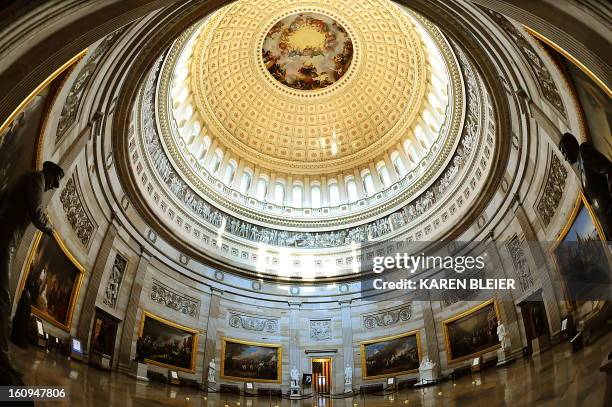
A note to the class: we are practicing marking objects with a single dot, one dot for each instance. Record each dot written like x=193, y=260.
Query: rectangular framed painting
x=251, y=361
x=580, y=255
x=390, y=356
x=167, y=344
x=472, y=332
x=53, y=277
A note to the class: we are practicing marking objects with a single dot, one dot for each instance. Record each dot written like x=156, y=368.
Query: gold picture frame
x=279, y=367
x=194, y=347
x=76, y=288
x=364, y=344
x=462, y=315
x=576, y=210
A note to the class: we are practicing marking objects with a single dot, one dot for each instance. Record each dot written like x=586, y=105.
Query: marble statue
x=426, y=364
x=348, y=376
x=211, y=371
x=503, y=336
x=295, y=377
x=595, y=171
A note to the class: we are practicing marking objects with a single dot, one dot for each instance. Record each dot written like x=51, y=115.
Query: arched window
x=230, y=172
x=262, y=189
x=368, y=183
x=411, y=152
x=334, y=192
x=215, y=164
x=279, y=193
x=383, y=174
x=297, y=195
x=351, y=189
x=245, y=181
x=398, y=164
x=315, y=196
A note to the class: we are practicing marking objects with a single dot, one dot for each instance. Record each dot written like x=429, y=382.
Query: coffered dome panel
x=371, y=102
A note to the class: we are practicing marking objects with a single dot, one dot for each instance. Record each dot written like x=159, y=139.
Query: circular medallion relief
x=307, y=51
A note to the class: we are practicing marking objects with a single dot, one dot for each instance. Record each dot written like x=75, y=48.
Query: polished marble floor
x=554, y=378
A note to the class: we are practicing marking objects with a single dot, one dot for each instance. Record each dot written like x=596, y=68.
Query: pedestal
x=101, y=360
x=348, y=388
x=139, y=371
x=503, y=356
x=295, y=392
x=426, y=376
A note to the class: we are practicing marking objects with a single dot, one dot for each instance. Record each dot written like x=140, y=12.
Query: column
x=393, y=175
x=378, y=185
x=129, y=321
x=541, y=271
x=210, y=346
x=347, y=340
x=431, y=336
x=238, y=175
x=294, y=336
x=505, y=299
x=210, y=153
x=94, y=285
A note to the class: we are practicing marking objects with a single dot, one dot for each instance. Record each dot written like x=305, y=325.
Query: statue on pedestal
x=503, y=336
x=595, y=171
x=211, y=371
x=348, y=376
x=295, y=377
x=426, y=364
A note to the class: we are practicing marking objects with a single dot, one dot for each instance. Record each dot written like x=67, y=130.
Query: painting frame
x=580, y=202
x=279, y=367
x=194, y=347
x=462, y=315
x=76, y=288
x=363, y=344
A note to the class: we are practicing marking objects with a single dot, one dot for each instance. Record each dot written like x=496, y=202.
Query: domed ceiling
x=282, y=130
x=308, y=89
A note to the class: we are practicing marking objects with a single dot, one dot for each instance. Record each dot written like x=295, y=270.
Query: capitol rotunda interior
x=306, y=203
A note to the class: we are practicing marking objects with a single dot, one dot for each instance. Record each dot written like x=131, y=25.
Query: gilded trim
x=470, y=311
x=363, y=344
x=40, y=87
x=76, y=288
x=279, y=363
x=194, y=347
x=569, y=56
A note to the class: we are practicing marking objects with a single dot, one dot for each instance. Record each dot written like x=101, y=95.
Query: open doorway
x=321, y=375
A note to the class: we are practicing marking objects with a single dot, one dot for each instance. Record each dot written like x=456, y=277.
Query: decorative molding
x=388, y=317
x=541, y=73
x=253, y=323
x=320, y=329
x=113, y=285
x=75, y=95
x=553, y=190
x=172, y=299
x=76, y=212
x=519, y=261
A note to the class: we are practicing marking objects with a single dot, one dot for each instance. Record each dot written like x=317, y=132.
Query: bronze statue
x=595, y=175
x=20, y=205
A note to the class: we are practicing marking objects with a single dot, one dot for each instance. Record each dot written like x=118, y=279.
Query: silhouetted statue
x=20, y=205
x=596, y=176
x=21, y=319
x=139, y=357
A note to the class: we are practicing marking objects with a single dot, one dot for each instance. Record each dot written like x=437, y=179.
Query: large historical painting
x=580, y=256
x=250, y=361
x=307, y=51
x=53, y=278
x=394, y=355
x=472, y=333
x=167, y=344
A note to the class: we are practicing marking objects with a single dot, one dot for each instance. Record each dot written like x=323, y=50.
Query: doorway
x=536, y=325
x=321, y=375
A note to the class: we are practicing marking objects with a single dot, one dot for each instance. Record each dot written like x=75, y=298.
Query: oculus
x=307, y=51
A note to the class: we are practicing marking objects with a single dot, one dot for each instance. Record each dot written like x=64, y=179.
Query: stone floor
x=554, y=378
